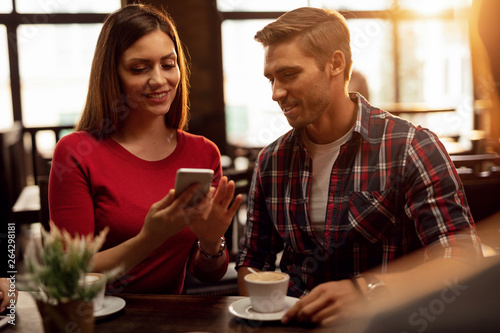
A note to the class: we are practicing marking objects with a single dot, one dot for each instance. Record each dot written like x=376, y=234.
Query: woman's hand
x=210, y=230
x=170, y=215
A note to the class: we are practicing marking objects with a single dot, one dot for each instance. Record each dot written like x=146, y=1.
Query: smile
x=287, y=108
x=156, y=95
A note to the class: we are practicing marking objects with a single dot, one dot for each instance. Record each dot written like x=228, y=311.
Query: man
x=350, y=188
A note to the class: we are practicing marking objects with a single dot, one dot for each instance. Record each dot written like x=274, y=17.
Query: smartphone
x=188, y=176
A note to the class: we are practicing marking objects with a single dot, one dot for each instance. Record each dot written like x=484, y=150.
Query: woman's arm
x=208, y=266
x=164, y=219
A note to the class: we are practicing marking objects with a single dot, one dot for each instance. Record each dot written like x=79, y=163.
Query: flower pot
x=72, y=316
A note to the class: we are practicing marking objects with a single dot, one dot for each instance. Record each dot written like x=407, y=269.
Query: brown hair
x=321, y=32
x=105, y=107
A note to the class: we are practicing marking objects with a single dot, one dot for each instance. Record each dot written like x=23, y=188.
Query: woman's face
x=149, y=74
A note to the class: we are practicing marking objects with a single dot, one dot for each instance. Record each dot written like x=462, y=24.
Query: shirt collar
x=361, y=125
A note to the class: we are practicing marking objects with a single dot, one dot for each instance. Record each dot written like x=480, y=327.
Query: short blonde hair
x=321, y=32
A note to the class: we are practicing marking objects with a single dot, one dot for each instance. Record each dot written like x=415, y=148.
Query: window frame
x=393, y=15
x=13, y=20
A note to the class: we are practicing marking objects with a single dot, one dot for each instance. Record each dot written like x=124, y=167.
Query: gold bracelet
x=218, y=255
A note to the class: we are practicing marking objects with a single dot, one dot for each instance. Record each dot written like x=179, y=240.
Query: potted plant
x=55, y=269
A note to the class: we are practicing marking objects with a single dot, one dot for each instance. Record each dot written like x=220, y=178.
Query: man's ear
x=336, y=65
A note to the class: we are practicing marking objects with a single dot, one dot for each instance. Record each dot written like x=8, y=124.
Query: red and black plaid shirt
x=393, y=190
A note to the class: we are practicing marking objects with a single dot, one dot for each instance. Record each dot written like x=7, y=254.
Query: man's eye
x=290, y=75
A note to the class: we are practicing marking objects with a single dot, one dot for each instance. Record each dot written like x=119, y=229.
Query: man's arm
x=337, y=301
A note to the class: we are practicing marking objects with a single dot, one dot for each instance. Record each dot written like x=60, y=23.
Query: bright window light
x=54, y=63
x=65, y=6
x=6, y=118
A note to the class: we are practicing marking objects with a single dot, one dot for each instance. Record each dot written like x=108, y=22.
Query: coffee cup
x=267, y=290
x=96, y=280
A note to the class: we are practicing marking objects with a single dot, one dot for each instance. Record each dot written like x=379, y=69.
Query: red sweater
x=94, y=184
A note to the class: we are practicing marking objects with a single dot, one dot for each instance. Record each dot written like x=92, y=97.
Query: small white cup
x=96, y=279
x=267, y=290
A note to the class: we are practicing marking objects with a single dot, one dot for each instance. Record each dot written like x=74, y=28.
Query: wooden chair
x=480, y=176
x=12, y=169
x=43, y=184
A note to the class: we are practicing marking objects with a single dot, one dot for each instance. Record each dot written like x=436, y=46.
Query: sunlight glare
x=431, y=7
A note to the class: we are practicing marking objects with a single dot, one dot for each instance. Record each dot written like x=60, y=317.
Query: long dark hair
x=105, y=107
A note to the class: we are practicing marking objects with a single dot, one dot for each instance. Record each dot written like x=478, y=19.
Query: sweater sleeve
x=70, y=199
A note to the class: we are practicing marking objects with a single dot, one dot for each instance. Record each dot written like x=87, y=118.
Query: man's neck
x=335, y=124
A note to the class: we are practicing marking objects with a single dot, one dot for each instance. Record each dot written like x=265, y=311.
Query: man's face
x=301, y=88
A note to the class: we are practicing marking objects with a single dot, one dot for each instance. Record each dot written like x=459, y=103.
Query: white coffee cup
x=267, y=290
x=92, y=279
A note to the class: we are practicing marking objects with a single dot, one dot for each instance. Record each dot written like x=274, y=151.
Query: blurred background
x=422, y=60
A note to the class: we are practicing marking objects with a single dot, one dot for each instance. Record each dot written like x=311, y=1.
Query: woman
x=116, y=168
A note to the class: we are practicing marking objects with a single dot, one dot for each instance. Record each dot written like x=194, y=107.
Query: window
x=5, y=7
x=414, y=55
x=6, y=119
x=53, y=43
x=65, y=6
x=54, y=74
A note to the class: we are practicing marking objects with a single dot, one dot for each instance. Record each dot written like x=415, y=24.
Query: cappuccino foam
x=266, y=276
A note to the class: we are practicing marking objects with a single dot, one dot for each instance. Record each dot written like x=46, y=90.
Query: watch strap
x=219, y=254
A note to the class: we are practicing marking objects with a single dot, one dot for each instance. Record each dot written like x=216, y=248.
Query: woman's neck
x=148, y=140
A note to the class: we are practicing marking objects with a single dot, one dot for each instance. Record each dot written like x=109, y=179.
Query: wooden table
x=167, y=313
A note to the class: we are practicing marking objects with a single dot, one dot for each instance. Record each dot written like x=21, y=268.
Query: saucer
x=4, y=320
x=242, y=309
x=112, y=304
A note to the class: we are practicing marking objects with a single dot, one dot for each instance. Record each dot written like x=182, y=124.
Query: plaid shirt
x=393, y=189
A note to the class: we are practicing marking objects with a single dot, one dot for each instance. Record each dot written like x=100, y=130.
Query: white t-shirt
x=323, y=158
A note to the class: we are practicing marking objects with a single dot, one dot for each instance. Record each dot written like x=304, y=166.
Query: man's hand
x=330, y=302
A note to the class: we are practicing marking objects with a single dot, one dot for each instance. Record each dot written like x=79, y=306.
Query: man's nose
x=279, y=91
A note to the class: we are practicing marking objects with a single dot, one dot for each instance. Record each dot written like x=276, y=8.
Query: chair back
x=43, y=184
x=12, y=169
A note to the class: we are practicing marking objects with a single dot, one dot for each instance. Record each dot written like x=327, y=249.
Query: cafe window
x=65, y=6
x=54, y=74
x=46, y=50
x=5, y=7
x=6, y=119
x=414, y=56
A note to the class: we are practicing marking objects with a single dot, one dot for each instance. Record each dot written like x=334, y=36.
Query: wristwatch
x=219, y=254
x=377, y=289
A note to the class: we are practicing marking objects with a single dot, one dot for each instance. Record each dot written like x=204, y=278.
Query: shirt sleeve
x=437, y=203
x=261, y=242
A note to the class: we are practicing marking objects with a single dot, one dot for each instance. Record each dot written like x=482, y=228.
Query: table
x=168, y=313
x=27, y=206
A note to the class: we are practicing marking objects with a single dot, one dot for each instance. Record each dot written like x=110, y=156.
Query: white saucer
x=242, y=308
x=4, y=320
x=112, y=304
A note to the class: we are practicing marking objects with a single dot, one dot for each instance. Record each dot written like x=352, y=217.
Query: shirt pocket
x=372, y=216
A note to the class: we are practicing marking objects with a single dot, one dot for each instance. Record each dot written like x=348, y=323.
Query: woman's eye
x=169, y=65
x=138, y=69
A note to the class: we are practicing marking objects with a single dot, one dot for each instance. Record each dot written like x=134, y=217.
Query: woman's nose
x=157, y=78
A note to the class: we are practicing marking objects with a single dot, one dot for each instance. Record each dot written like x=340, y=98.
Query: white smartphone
x=188, y=176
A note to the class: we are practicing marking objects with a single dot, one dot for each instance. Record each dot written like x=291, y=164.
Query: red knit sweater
x=94, y=184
